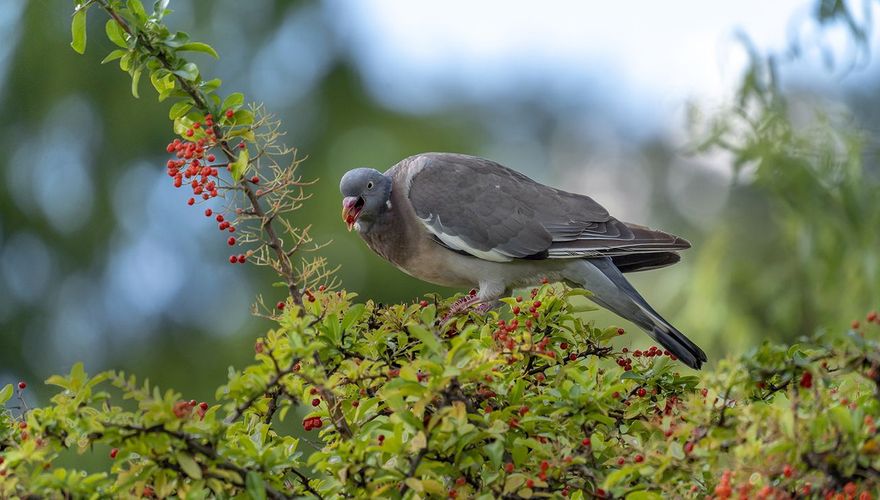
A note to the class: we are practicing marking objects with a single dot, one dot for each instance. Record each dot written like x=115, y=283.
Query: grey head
x=366, y=195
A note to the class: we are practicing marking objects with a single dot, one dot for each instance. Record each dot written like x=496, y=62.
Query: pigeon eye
x=370, y=185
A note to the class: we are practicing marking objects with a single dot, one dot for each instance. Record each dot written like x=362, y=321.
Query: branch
x=272, y=239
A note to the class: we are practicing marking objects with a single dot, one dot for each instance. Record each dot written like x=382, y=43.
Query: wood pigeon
x=463, y=221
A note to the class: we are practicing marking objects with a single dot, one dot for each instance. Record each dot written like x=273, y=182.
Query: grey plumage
x=459, y=220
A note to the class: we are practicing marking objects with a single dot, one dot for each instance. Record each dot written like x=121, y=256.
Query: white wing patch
x=457, y=243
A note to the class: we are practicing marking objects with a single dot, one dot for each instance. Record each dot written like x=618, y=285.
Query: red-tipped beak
x=351, y=208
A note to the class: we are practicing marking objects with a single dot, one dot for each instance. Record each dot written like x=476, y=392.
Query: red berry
x=530, y=484
x=621, y=331
x=231, y=241
x=211, y=157
x=242, y=259
x=191, y=201
x=255, y=179
x=621, y=461
x=639, y=459
x=114, y=452
x=233, y=259
x=208, y=212
x=787, y=471
x=515, y=309
x=203, y=406
x=460, y=481
x=280, y=305
x=241, y=145
x=585, y=442
x=22, y=385
x=229, y=113
x=316, y=402
x=855, y=324
x=189, y=133
x=381, y=437
x=537, y=304
x=641, y=392
x=807, y=380
x=689, y=447
x=313, y=391
x=423, y=303
x=22, y=425
x=545, y=465
x=219, y=218
x=508, y=467
x=355, y=404
x=564, y=346
x=523, y=410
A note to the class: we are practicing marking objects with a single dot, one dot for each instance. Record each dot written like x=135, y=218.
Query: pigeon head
x=366, y=193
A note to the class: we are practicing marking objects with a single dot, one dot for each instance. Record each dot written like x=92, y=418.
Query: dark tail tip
x=686, y=351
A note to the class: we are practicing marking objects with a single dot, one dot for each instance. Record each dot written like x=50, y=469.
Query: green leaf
x=189, y=72
x=115, y=33
x=233, y=101
x=495, y=451
x=255, y=487
x=427, y=338
x=135, y=79
x=243, y=117
x=240, y=164
x=159, y=8
x=78, y=30
x=353, y=314
x=5, y=393
x=179, y=109
x=189, y=465
x=112, y=56
x=137, y=8
x=643, y=495
x=199, y=47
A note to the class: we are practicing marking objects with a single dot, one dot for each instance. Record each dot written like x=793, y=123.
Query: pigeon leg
x=461, y=305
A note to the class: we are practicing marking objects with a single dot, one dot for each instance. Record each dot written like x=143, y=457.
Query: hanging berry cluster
x=195, y=166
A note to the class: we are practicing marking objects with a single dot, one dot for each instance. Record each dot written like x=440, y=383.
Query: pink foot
x=459, y=306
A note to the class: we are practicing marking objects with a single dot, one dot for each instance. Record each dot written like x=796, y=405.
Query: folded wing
x=476, y=206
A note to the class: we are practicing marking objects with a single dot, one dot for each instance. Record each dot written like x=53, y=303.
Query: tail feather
x=623, y=300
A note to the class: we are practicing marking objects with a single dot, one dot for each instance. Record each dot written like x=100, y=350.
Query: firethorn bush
x=349, y=398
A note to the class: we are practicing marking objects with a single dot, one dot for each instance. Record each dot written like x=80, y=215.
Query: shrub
x=538, y=403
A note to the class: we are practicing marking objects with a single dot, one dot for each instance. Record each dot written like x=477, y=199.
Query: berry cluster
x=311, y=423
x=195, y=166
x=871, y=317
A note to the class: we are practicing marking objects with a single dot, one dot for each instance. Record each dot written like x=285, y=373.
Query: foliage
x=259, y=175
x=515, y=405
x=808, y=209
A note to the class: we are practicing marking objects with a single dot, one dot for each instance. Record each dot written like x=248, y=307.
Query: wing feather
x=479, y=207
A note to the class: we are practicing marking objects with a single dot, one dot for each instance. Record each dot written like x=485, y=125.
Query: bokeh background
x=102, y=261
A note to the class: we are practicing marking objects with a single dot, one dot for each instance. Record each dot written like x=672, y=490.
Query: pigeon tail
x=617, y=295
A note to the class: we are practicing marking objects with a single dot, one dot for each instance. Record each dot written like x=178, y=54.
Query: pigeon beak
x=351, y=208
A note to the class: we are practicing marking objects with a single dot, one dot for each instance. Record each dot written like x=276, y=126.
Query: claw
x=459, y=306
